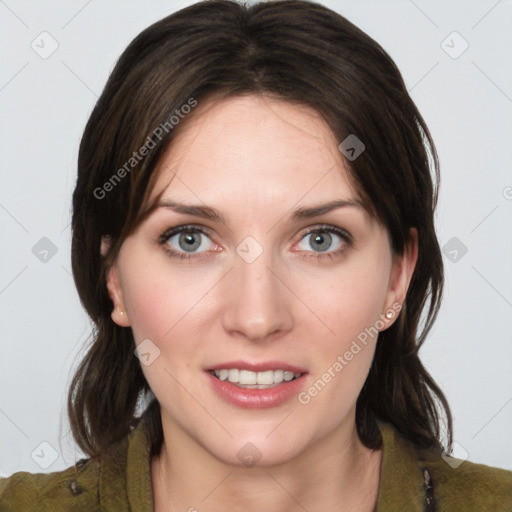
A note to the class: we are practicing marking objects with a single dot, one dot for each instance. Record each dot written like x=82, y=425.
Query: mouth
x=256, y=385
x=248, y=379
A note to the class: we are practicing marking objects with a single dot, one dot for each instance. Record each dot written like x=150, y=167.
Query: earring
x=389, y=314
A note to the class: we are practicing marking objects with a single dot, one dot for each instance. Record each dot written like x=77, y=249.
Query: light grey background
x=45, y=102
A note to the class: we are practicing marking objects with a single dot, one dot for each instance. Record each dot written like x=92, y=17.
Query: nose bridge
x=256, y=305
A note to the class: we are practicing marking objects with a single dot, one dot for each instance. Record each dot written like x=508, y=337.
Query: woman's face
x=274, y=287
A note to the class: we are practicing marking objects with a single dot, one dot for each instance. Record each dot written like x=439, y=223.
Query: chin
x=255, y=455
x=258, y=449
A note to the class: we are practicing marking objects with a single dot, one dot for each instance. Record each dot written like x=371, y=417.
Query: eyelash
x=193, y=229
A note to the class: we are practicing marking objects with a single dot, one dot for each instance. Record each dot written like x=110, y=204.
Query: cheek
x=349, y=304
x=163, y=301
x=351, y=298
x=148, y=303
x=166, y=305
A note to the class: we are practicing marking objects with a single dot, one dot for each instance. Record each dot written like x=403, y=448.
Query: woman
x=253, y=238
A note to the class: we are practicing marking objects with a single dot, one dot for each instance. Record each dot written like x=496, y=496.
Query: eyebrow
x=210, y=213
x=315, y=211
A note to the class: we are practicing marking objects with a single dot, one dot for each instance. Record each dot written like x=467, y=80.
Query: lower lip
x=256, y=398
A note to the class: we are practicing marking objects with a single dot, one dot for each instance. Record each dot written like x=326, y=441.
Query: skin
x=256, y=160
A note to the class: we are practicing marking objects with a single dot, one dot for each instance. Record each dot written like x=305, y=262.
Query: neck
x=337, y=472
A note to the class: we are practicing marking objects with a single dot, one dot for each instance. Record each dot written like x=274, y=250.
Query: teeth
x=288, y=376
x=234, y=375
x=248, y=378
x=264, y=377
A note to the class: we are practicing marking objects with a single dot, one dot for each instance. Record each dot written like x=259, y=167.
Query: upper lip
x=257, y=366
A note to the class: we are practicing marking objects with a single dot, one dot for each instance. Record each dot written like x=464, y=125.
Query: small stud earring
x=389, y=314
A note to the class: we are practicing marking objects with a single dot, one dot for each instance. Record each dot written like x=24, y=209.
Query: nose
x=257, y=303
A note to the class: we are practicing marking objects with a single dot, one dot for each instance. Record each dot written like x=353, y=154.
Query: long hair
x=300, y=52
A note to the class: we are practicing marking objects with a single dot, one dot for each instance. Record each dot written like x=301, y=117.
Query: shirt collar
x=125, y=475
x=401, y=480
x=400, y=487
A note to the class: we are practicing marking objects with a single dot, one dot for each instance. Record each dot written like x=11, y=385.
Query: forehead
x=253, y=146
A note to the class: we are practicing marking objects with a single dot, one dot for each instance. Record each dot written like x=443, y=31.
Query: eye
x=329, y=240
x=190, y=241
x=185, y=241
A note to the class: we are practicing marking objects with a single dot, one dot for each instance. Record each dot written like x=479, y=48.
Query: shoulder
x=90, y=485
x=464, y=485
x=457, y=484
x=72, y=489
x=111, y=482
x=429, y=480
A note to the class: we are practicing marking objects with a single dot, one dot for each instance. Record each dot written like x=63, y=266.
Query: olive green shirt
x=121, y=482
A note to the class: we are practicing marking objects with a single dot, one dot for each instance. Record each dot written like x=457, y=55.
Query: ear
x=115, y=291
x=401, y=274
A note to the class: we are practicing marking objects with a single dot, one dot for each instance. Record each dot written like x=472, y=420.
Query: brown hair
x=298, y=51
